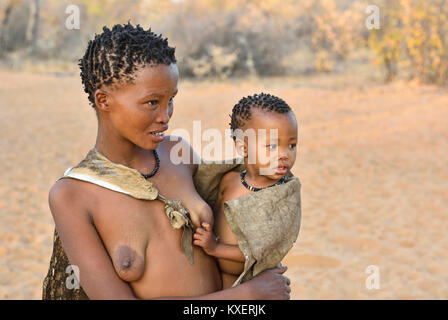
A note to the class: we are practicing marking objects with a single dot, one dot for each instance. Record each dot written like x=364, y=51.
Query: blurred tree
x=33, y=25
x=221, y=39
x=336, y=32
x=413, y=38
x=386, y=41
x=425, y=31
x=6, y=15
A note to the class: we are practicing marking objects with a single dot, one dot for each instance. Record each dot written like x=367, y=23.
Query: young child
x=257, y=215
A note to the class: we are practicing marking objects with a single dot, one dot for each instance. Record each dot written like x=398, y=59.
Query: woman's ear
x=102, y=99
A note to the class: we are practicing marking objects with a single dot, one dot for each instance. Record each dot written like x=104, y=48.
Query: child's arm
x=205, y=238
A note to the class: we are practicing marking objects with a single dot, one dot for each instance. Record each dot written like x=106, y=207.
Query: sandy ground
x=372, y=161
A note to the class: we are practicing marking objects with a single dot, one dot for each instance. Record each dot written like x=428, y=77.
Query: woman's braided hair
x=241, y=112
x=114, y=55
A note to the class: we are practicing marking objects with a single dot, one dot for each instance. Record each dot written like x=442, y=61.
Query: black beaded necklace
x=156, y=168
x=243, y=174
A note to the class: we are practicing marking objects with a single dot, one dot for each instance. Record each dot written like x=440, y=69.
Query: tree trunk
x=54, y=286
x=33, y=25
x=4, y=23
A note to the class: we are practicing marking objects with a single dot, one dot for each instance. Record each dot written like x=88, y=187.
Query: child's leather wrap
x=266, y=222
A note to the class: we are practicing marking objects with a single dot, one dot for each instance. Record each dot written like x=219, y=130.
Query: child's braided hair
x=242, y=110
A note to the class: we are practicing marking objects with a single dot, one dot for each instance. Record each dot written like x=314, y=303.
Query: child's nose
x=283, y=153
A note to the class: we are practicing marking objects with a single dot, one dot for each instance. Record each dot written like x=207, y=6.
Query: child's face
x=274, y=155
x=138, y=110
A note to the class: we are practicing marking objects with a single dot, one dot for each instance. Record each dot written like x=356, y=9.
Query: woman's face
x=140, y=111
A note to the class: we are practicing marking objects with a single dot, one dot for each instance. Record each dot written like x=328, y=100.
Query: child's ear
x=241, y=148
x=102, y=99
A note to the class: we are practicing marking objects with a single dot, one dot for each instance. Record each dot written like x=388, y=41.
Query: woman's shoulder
x=69, y=193
x=63, y=188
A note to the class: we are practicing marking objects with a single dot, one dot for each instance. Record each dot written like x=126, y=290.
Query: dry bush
x=234, y=39
x=413, y=39
x=242, y=38
x=336, y=32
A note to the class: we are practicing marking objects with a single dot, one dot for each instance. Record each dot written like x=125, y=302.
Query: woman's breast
x=169, y=274
x=125, y=226
x=146, y=250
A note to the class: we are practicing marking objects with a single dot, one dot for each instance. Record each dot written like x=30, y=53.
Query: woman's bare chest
x=130, y=228
x=126, y=227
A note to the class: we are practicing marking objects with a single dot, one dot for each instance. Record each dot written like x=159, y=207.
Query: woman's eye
x=171, y=100
x=293, y=146
x=152, y=103
x=272, y=146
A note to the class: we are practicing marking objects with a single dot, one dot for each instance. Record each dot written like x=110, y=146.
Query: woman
x=126, y=247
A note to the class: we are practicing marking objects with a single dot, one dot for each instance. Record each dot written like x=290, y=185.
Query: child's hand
x=205, y=238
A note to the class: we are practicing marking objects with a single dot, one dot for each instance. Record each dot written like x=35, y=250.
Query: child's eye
x=272, y=146
x=293, y=145
x=171, y=100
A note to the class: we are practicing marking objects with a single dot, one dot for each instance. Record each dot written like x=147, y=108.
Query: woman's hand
x=270, y=285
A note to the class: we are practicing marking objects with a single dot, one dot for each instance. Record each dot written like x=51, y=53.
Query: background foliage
x=243, y=38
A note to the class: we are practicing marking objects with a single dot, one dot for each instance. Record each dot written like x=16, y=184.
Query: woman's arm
x=83, y=245
x=268, y=285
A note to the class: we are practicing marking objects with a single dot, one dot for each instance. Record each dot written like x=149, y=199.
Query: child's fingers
x=200, y=231
x=198, y=236
x=207, y=226
x=198, y=243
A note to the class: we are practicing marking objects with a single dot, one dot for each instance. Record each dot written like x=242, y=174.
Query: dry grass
x=372, y=161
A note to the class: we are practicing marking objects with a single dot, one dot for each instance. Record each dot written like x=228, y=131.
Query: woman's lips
x=158, y=136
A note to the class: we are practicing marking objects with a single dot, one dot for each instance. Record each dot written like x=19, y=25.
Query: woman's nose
x=164, y=115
